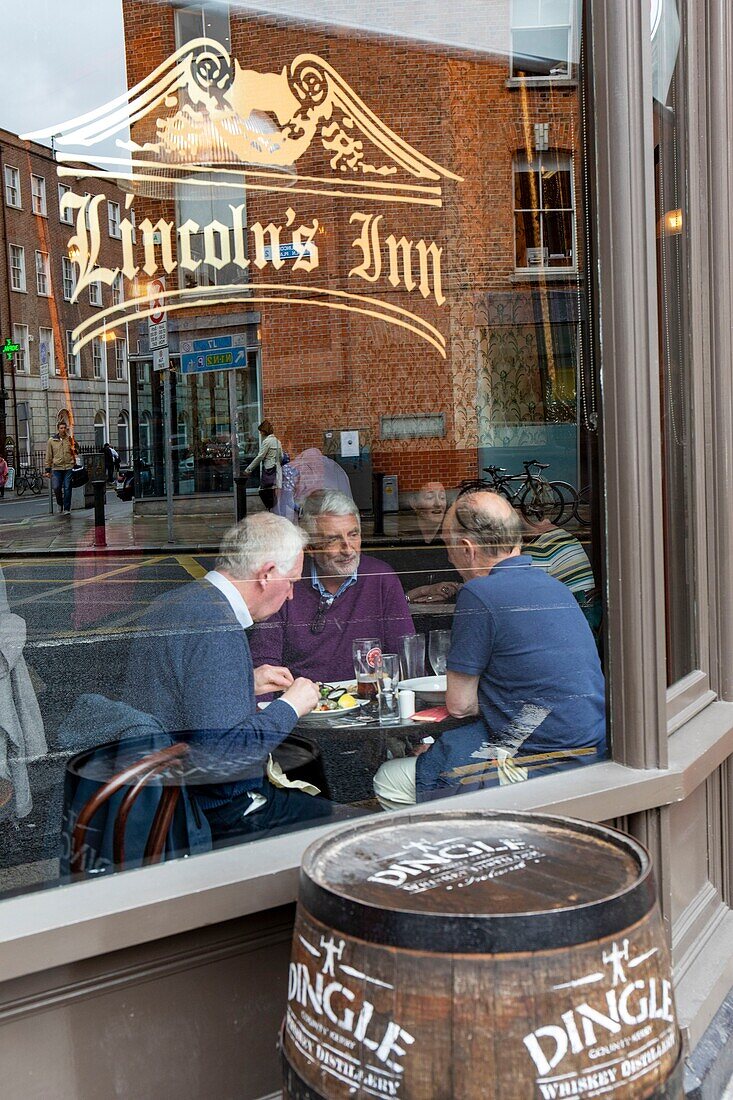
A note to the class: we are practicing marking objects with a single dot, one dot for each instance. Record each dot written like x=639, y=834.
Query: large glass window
x=671, y=165
x=348, y=283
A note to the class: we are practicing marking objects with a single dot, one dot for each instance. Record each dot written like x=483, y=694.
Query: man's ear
x=264, y=573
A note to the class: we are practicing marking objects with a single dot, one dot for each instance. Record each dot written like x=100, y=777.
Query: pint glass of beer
x=367, y=653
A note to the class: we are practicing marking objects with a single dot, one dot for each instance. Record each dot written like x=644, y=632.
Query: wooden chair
x=135, y=777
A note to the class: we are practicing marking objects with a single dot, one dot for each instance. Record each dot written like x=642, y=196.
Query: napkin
x=278, y=778
x=433, y=714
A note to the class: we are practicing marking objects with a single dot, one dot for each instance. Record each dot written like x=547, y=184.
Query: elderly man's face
x=336, y=545
x=279, y=588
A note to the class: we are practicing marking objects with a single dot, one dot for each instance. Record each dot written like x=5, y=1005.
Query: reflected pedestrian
x=60, y=456
x=3, y=476
x=269, y=459
x=111, y=462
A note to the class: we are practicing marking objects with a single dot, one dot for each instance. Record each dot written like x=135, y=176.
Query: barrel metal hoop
x=460, y=934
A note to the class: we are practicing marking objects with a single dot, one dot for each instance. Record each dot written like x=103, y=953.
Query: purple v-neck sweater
x=374, y=607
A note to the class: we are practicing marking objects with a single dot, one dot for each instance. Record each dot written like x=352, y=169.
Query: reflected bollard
x=100, y=490
x=240, y=496
x=378, y=503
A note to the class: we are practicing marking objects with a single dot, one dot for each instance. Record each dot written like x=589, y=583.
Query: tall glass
x=438, y=647
x=412, y=656
x=367, y=653
x=389, y=680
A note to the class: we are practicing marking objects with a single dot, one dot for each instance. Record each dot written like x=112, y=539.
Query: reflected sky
x=62, y=59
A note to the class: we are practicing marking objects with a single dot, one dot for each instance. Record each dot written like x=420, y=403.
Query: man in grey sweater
x=192, y=671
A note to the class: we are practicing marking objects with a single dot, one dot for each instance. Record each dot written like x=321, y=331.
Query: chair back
x=136, y=777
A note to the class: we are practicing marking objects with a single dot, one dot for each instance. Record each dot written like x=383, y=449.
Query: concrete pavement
x=27, y=527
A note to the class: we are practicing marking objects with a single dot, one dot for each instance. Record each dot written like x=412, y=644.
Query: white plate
x=430, y=688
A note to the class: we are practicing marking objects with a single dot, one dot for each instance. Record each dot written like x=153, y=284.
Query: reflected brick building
x=503, y=208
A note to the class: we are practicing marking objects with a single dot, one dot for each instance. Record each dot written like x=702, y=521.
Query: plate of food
x=335, y=700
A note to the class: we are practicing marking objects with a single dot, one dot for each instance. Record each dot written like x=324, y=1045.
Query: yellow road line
x=189, y=563
x=90, y=580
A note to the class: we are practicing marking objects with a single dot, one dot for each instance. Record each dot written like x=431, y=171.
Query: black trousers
x=267, y=496
x=284, y=809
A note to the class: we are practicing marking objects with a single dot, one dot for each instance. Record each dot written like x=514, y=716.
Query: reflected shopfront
x=210, y=410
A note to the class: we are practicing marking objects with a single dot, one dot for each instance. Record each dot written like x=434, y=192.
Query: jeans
x=61, y=483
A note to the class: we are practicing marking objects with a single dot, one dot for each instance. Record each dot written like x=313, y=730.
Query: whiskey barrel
x=479, y=956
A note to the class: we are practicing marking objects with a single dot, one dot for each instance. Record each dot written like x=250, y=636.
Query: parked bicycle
x=536, y=498
x=28, y=478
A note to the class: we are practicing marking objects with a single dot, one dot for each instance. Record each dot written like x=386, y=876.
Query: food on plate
x=334, y=698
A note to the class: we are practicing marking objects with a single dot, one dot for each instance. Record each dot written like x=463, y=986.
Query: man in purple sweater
x=342, y=595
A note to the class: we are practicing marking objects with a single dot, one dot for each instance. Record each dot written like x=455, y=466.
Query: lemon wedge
x=346, y=702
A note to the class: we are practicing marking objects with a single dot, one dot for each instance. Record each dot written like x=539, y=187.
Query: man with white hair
x=192, y=670
x=524, y=680
x=343, y=595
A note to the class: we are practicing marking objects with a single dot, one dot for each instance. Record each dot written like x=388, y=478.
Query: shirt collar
x=316, y=582
x=233, y=597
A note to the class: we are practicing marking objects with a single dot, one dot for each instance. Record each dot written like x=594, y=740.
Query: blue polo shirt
x=541, y=688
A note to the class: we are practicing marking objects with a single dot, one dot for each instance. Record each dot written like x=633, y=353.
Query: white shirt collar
x=233, y=597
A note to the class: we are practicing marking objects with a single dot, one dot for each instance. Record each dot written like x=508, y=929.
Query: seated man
x=343, y=595
x=192, y=671
x=523, y=670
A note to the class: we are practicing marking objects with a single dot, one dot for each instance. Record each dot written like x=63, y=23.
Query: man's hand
x=303, y=695
x=272, y=678
x=433, y=593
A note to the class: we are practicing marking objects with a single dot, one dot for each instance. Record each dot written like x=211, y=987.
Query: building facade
x=495, y=231
x=39, y=311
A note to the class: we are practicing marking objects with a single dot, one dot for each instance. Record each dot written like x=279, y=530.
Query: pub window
x=66, y=215
x=544, y=212
x=43, y=275
x=12, y=186
x=542, y=38
x=73, y=359
x=376, y=335
x=38, y=195
x=17, y=267
x=68, y=278
x=22, y=358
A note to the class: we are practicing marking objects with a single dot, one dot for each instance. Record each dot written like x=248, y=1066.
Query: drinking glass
x=438, y=647
x=367, y=652
x=412, y=656
x=388, y=668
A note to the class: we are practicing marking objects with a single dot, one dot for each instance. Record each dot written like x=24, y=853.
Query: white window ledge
x=63, y=924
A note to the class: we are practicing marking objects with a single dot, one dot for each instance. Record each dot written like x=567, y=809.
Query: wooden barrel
x=479, y=956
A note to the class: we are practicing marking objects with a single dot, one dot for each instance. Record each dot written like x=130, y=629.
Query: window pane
x=556, y=188
x=526, y=188
x=541, y=52
x=528, y=237
x=558, y=239
x=680, y=526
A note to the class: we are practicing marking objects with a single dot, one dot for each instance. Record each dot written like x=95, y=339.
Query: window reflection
x=377, y=313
